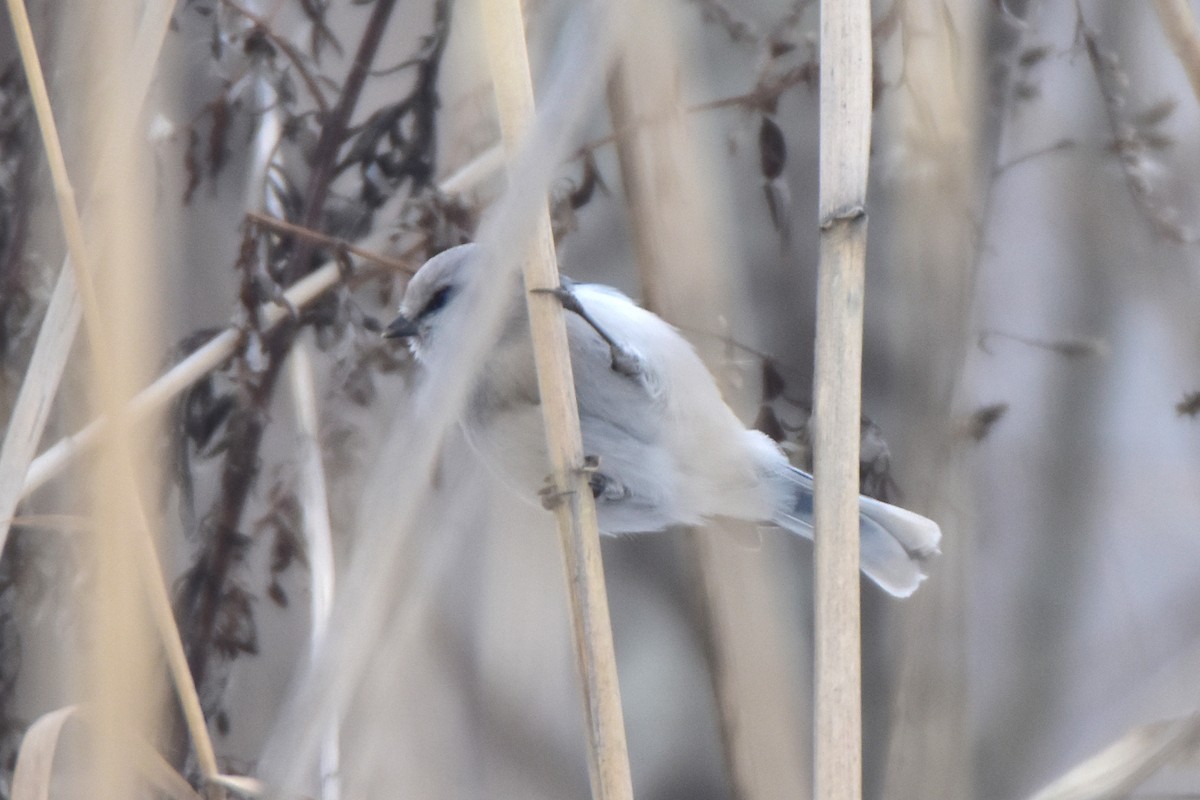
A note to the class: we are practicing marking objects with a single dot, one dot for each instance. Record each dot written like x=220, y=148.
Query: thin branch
x=1057, y=147
x=333, y=127
x=739, y=30
x=332, y=242
x=574, y=505
x=391, y=567
x=289, y=50
x=759, y=98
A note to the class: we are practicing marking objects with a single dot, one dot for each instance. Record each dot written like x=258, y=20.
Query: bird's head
x=431, y=296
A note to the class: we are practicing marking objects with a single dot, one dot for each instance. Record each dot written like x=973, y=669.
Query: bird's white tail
x=894, y=543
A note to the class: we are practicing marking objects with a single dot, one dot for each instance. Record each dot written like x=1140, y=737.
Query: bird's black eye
x=438, y=300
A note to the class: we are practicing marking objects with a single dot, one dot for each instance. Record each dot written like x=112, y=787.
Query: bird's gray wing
x=621, y=417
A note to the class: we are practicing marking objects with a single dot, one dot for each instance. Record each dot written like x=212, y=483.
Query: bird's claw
x=551, y=495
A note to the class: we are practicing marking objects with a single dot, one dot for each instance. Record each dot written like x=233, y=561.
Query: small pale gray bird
x=669, y=450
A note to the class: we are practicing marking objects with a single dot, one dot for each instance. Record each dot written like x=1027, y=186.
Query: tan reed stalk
x=120, y=673
x=1178, y=22
x=575, y=510
x=686, y=277
x=936, y=125
x=61, y=322
x=114, y=369
x=845, y=131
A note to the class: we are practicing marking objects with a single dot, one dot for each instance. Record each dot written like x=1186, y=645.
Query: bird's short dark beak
x=401, y=328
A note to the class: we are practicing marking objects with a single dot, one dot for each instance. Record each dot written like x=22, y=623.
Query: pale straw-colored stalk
x=845, y=131
x=1178, y=21
x=118, y=312
x=1121, y=767
x=574, y=506
x=125, y=535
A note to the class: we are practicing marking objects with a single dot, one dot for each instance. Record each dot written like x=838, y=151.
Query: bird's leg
x=624, y=361
x=597, y=482
x=551, y=495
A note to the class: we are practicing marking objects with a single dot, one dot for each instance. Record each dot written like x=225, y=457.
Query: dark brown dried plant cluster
x=336, y=165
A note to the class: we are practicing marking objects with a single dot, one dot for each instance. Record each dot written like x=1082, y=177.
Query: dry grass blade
x=1126, y=763
x=35, y=761
x=845, y=132
x=575, y=509
x=1178, y=22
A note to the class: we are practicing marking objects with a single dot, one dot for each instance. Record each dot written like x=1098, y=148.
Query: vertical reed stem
x=845, y=132
x=575, y=510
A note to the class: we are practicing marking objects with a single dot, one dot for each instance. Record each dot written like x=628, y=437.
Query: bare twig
x=333, y=127
x=332, y=242
x=757, y=99
x=1000, y=170
x=575, y=509
x=845, y=156
x=1074, y=347
x=200, y=601
x=388, y=565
